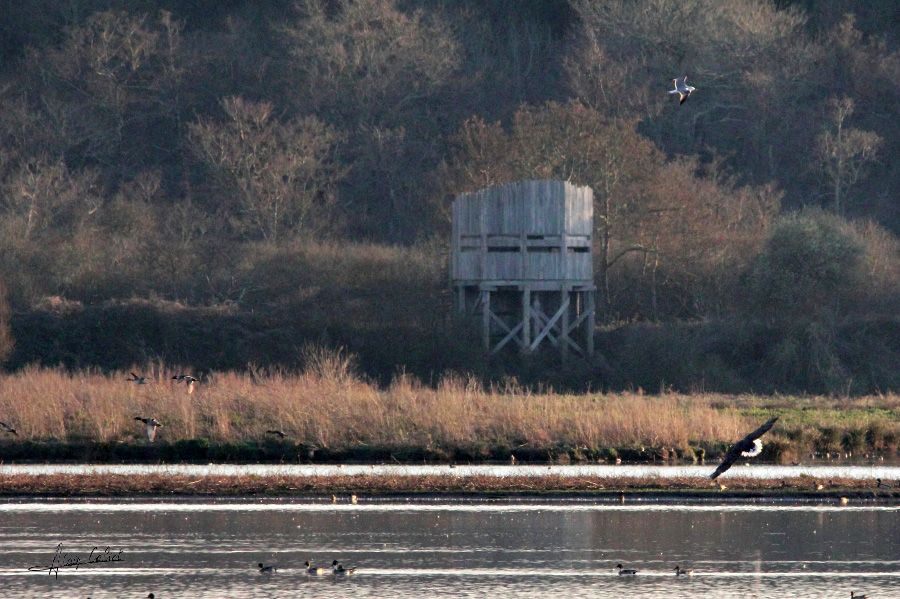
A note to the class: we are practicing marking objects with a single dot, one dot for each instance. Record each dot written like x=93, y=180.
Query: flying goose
x=748, y=447
x=338, y=569
x=314, y=570
x=152, y=425
x=682, y=89
x=8, y=429
x=267, y=569
x=679, y=571
x=138, y=380
x=624, y=572
x=279, y=434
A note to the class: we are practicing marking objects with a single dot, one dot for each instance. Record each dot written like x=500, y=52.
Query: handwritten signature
x=73, y=560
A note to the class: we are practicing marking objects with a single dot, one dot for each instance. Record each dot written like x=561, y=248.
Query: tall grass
x=327, y=405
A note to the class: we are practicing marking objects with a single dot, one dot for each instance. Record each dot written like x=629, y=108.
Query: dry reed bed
x=340, y=488
x=327, y=406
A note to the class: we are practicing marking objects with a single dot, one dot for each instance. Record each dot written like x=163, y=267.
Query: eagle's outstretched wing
x=745, y=444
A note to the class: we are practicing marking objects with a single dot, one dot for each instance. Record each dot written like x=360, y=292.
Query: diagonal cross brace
x=510, y=335
x=500, y=322
x=549, y=325
x=578, y=321
x=542, y=318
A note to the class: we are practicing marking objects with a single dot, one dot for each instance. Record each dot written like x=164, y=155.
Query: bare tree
x=108, y=89
x=43, y=195
x=366, y=59
x=844, y=152
x=278, y=174
x=380, y=72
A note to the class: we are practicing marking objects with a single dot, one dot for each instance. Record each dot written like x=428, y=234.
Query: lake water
x=604, y=471
x=500, y=548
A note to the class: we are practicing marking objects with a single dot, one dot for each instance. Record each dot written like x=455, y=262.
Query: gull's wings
x=744, y=445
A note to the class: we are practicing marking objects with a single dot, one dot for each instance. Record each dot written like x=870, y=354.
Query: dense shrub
x=811, y=268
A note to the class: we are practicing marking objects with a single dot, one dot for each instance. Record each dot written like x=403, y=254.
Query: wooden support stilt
x=564, y=325
x=526, y=318
x=486, y=319
x=589, y=322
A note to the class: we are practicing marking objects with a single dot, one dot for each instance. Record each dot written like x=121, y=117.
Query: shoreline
x=340, y=488
x=202, y=451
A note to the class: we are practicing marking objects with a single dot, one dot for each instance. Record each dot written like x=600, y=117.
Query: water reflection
x=210, y=549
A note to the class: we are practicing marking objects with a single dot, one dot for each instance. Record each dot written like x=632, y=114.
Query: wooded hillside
x=264, y=173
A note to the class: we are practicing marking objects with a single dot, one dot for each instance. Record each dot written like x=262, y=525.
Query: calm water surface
x=460, y=549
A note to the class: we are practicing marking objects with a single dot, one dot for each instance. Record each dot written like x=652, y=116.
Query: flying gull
x=682, y=89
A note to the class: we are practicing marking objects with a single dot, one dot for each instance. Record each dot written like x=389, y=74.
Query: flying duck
x=138, y=380
x=748, y=447
x=152, y=425
x=624, y=572
x=682, y=89
x=187, y=379
x=679, y=571
x=314, y=570
x=338, y=569
x=8, y=429
x=267, y=569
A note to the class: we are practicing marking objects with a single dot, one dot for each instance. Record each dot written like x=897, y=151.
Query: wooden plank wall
x=523, y=231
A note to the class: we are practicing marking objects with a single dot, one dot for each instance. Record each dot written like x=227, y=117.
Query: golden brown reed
x=329, y=407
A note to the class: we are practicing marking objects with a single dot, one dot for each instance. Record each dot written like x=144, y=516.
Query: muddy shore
x=343, y=488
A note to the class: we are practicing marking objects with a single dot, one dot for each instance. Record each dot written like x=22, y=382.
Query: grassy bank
x=342, y=489
x=330, y=414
